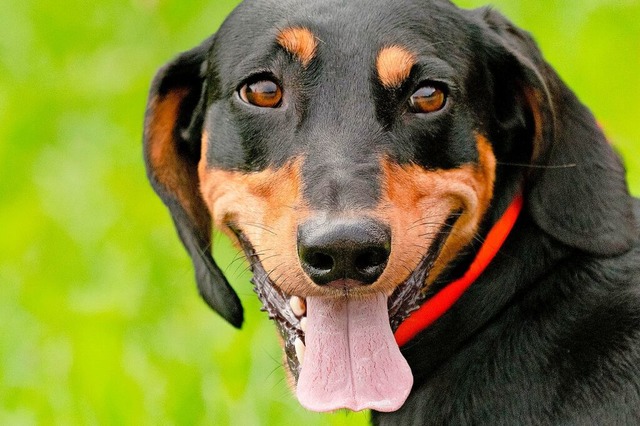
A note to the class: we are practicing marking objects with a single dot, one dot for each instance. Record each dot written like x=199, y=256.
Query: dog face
x=354, y=152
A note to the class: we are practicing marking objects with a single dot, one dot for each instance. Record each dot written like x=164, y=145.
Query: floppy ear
x=577, y=190
x=172, y=138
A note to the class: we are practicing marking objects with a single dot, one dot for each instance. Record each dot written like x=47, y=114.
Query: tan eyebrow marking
x=300, y=42
x=394, y=65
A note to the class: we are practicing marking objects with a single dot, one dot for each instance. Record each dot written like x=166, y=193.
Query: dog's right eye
x=262, y=93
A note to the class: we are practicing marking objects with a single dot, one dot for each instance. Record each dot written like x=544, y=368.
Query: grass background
x=100, y=321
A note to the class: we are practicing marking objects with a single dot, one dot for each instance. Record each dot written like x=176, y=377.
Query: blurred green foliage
x=100, y=321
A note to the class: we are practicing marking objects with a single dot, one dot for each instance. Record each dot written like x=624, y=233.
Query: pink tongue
x=352, y=360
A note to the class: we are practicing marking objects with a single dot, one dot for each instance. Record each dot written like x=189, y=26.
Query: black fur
x=550, y=333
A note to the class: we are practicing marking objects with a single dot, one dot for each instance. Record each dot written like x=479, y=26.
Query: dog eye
x=428, y=98
x=263, y=93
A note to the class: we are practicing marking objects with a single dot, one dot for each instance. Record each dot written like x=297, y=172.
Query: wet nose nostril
x=338, y=249
x=372, y=259
x=320, y=261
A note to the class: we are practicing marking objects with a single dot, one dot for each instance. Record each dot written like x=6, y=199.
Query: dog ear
x=172, y=142
x=577, y=190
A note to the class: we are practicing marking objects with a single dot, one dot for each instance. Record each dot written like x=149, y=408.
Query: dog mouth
x=329, y=332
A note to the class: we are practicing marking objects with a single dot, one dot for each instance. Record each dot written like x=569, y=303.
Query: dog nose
x=339, y=249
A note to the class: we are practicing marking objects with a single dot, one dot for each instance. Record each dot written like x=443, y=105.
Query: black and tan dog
x=435, y=223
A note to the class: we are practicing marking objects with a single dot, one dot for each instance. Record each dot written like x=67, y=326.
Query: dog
x=437, y=226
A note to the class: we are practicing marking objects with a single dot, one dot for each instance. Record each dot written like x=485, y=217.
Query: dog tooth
x=303, y=324
x=297, y=306
x=300, y=350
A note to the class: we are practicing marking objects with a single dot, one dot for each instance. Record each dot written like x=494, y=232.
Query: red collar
x=435, y=307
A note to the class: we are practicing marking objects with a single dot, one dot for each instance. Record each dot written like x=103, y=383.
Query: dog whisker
x=452, y=231
x=275, y=268
x=259, y=226
x=539, y=166
x=426, y=221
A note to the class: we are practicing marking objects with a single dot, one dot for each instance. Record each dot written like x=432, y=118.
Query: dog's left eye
x=263, y=94
x=428, y=98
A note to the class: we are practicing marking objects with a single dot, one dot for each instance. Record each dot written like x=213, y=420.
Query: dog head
x=357, y=152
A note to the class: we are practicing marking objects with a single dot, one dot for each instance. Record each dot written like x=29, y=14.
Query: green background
x=100, y=320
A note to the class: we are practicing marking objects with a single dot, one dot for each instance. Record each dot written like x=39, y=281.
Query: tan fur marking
x=394, y=65
x=416, y=203
x=300, y=42
x=169, y=168
x=267, y=207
